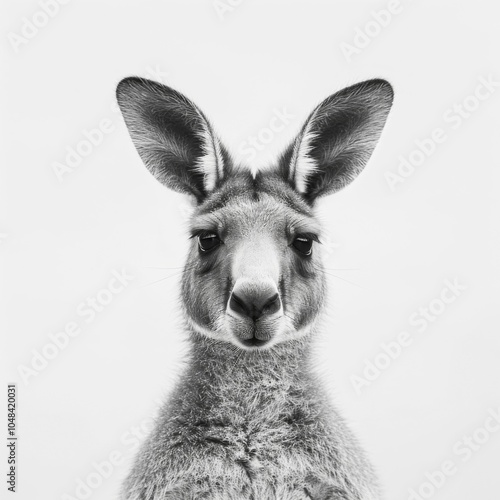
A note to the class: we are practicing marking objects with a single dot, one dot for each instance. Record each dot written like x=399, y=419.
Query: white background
x=390, y=250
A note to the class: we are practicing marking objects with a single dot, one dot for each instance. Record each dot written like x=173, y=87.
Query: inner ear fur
x=337, y=139
x=172, y=136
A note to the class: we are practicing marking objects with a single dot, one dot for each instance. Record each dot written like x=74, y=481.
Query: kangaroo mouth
x=249, y=333
x=254, y=342
x=253, y=335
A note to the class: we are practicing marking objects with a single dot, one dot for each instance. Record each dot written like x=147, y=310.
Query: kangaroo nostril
x=238, y=305
x=272, y=305
x=254, y=307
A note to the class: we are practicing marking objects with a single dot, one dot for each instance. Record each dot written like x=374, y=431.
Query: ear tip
x=384, y=86
x=376, y=88
x=124, y=86
x=127, y=83
x=131, y=84
x=141, y=89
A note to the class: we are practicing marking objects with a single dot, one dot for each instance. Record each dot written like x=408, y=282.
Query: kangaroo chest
x=262, y=426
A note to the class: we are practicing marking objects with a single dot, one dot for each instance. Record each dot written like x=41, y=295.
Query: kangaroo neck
x=221, y=368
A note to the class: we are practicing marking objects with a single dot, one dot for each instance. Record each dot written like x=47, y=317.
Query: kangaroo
x=248, y=419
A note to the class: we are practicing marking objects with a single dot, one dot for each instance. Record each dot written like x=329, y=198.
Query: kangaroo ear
x=337, y=139
x=172, y=136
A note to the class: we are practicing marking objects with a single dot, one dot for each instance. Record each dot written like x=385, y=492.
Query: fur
x=248, y=426
x=251, y=421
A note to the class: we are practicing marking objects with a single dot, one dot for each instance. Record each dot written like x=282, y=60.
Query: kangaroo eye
x=303, y=244
x=208, y=242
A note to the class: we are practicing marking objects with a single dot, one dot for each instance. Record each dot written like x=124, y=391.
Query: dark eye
x=303, y=244
x=208, y=242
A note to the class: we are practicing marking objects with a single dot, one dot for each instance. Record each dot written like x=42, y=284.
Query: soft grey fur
x=252, y=423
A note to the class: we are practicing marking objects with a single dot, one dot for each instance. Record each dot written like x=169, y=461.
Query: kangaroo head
x=253, y=276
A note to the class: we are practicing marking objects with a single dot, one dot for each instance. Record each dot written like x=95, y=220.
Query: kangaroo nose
x=254, y=306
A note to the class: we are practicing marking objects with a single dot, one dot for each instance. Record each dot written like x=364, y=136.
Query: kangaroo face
x=253, y=276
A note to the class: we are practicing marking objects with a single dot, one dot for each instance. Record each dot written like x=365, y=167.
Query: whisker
x=342, y=269
x=338, y=277
x=161, y=279
x=168, y=268
x=185, y=266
